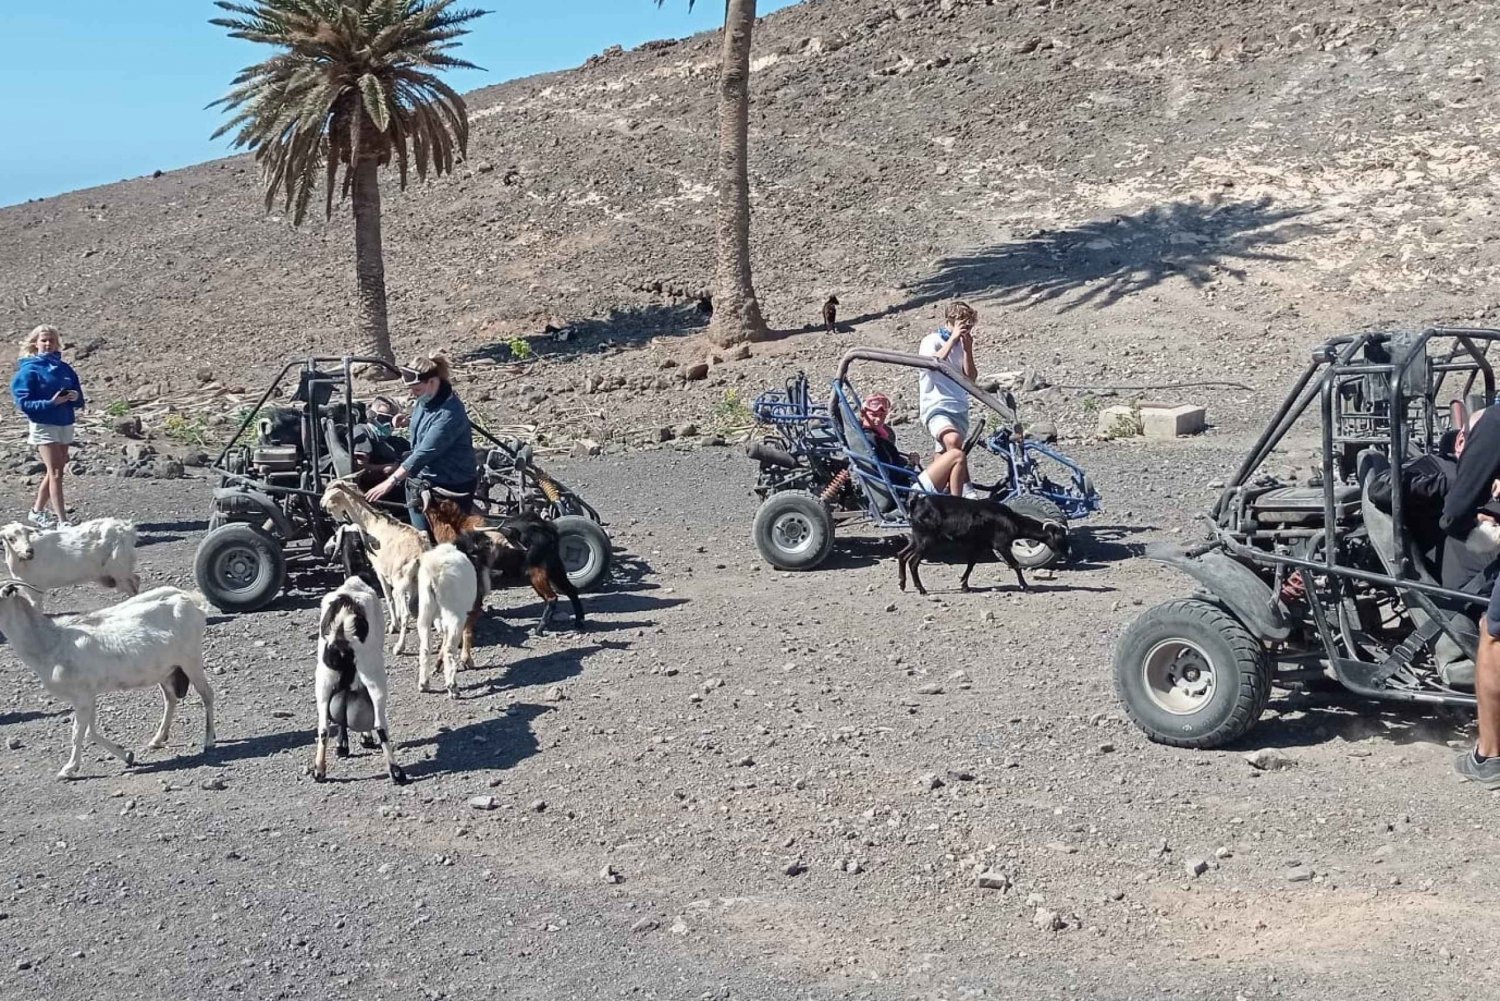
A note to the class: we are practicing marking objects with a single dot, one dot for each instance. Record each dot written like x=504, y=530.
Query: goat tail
x=179, y=682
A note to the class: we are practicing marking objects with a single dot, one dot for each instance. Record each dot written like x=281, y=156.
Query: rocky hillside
x=1133, y=192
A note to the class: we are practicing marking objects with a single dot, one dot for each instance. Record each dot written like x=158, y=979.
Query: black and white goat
x=155, y=638
x=971, y=530
x=100, y=550
x=350, y=679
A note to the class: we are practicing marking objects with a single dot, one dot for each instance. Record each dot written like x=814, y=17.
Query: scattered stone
x=214, y=784
x=651, y=924
x=1299, y=874
x=740, y=352
x=993, y=880
x=688, y=430
x=611, y=875
x=663, y=434
x=679, y=927
x=1042, y=431
x=1119, y=422
x=1046, y=919
x=1195, y=867
x=14, y=744
x=696, y=371
x=586, y=447
x=538, y=806
x=794, y=868
x=930, y=689
x=1269, y=759
x=1165, y=421
x=930, y=781
x=483, y=802
x=556, y=694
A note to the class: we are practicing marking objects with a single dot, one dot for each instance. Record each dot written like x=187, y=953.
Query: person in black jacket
x=1471, y=510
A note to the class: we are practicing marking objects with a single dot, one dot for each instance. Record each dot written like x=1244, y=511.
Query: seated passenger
x=872, y=417
x=385, y=445
x=1424, y=486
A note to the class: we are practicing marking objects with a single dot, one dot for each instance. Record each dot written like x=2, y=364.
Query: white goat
x=393, y=547
x=446, y=588
x=350, y=677
x=154, y=638
x=101, y=550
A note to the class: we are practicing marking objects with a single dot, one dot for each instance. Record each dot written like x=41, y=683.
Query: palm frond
x=344, y=68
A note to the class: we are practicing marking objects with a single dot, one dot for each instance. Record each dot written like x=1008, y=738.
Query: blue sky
x=96, y=91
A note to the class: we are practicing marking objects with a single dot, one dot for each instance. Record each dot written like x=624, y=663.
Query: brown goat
x=521, y=545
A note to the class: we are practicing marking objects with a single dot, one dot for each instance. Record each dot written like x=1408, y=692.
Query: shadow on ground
x=627, y=328
x=1099, y=262
x=1308, y=719
x=499, y=742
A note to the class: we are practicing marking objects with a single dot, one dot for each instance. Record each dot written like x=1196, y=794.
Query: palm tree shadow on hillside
x=621, y=328
x=1099, y=262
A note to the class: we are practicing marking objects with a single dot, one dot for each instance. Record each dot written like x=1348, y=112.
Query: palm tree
x=352, y=86
x=736, y=316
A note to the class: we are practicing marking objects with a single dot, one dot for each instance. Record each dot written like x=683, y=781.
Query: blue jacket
x=38, y=379
x=442, y=442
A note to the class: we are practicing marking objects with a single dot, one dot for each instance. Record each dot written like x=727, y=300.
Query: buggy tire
x=793, y=530
x=1191, y=675
x=1030, y=554
x=585, y=550
x=239, y=568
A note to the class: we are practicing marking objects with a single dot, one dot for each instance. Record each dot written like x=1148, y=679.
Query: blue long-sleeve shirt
x=38, y=379
x=442, y=448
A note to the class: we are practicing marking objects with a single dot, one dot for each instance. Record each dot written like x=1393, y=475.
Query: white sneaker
x=41, y=519
x=973, y=494
x=65, y=523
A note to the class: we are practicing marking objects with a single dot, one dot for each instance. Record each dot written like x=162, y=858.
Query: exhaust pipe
x=770, y=455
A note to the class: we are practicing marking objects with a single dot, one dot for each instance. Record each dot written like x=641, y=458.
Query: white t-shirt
x=938, y=392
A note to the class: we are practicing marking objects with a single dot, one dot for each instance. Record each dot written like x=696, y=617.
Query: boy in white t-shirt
x=943, y=406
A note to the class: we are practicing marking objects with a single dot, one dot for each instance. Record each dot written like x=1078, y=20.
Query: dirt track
x=721, y=725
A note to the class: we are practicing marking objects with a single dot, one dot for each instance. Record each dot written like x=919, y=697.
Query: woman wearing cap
x=47, y=391
x=872, y=417
x=442, y=451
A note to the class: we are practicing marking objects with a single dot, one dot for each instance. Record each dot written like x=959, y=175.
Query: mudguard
x=239, y=504
x=1232, y=584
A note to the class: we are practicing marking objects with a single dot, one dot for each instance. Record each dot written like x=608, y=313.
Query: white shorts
x=50, y=434
x=924, y=483
x=940, y=421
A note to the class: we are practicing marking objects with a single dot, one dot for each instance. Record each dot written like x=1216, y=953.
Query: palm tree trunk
x=369, y=258
x=737, y=315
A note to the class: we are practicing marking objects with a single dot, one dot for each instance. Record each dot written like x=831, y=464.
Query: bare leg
x=43, y=490
x=958, y=474
x=55, y=458
x=165, y=730
x=1487, y=688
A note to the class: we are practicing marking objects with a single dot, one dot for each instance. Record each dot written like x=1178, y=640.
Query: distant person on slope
x=944, y=406
x=47, y=391
x=442, y=450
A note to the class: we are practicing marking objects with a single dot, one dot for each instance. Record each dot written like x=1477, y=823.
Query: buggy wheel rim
x=1028, y=548
x=577, y=555
x=239, y=568
x=1180, y=677
x=793, y=533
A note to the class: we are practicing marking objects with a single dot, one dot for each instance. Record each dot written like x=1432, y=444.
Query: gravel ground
x=743, y=783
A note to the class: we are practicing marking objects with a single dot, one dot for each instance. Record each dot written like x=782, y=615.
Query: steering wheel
x=974, y=437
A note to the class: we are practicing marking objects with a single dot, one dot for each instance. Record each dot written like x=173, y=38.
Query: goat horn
x=17, y=580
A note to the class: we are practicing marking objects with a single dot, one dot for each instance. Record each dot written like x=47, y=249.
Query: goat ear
x=1053, y=525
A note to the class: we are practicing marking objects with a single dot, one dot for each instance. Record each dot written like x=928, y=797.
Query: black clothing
x=1477, y=471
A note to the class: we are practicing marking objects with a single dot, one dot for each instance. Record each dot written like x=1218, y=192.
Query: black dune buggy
x=818, y=467
x=1311, y=584
x=273, y=471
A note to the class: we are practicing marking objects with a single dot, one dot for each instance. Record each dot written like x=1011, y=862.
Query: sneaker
x=65, y=523
x=973, y=494
x=1485, y=773
x=41, y=519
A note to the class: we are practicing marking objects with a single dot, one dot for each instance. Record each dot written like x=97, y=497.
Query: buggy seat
x=1454, y=664
x=882, y=482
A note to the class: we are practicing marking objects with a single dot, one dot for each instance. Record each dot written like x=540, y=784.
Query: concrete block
x=1119, y=422
x=1164, y=421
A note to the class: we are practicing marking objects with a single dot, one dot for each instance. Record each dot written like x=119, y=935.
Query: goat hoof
x=398, y=775
x=341, y=752
x=368, y=742
x=155, y=745
x=67, y=774
x=320, y=776
x=453, y=692
x=129, y=758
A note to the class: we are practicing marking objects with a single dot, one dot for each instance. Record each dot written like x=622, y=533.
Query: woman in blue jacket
x=442, y=441
x=47, y=391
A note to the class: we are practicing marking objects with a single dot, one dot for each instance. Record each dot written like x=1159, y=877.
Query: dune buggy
x=1310, y=584
x=818, y=468
x=266, y=512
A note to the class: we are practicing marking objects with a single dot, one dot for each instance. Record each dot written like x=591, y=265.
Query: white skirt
x=50, y=434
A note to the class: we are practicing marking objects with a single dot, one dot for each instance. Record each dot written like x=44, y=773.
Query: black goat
x=975, y=529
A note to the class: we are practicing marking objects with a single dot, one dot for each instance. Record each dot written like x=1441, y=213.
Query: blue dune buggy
x=818, y=468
